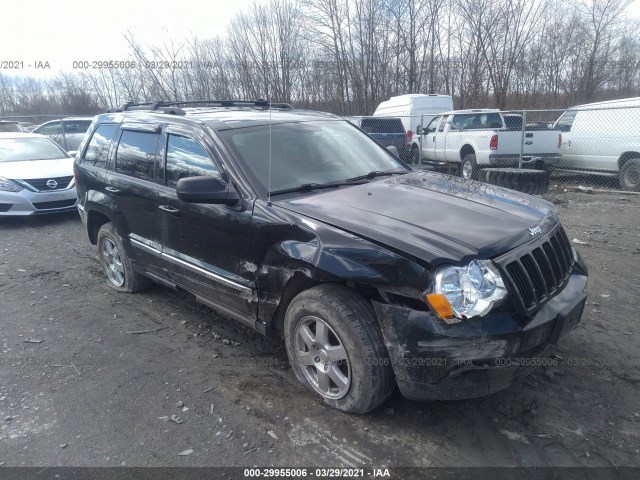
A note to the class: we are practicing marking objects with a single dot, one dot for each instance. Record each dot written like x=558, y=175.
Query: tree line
x=346, y=56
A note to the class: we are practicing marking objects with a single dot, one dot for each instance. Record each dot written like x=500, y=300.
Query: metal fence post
x=420, y=137
x=524, y=127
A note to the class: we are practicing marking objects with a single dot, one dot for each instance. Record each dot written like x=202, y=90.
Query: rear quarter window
x=97, y=152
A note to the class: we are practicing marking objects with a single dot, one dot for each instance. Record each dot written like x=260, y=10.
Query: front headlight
x=471, y=290
x=8, y=186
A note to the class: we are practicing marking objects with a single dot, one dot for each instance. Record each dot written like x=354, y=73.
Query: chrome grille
x=541, y=272
x=40, y=184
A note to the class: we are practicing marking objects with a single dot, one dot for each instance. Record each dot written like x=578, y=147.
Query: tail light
x=559, y=140
x=493, y=143
x=409, y=136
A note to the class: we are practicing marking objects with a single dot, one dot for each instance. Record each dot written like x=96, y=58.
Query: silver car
x=36, y=175
x=67, y=132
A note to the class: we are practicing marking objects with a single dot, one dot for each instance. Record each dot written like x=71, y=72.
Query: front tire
x=630, y=175
x=115, y=263
x=336, y=349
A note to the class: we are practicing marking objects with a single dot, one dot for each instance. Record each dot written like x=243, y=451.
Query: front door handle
x=112, y=189
x=170, y=210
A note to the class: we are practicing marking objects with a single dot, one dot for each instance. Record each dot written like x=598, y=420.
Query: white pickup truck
x=487, y=138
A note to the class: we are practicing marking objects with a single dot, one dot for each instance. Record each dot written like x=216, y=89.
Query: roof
x=622, y=102
x=221, y=118
x=471, y=110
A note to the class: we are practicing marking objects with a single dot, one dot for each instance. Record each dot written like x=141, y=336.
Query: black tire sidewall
x=366, y=365
x=414, y=156
x=528, y=181
x=108, y=231
x=631, y=164
x=469, y=158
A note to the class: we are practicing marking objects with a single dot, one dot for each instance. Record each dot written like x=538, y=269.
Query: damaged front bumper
x=436, y=361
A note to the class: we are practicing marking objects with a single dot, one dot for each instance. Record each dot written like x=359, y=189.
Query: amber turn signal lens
x=440, y=305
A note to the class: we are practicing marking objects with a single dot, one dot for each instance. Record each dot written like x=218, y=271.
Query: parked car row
x=599, y=138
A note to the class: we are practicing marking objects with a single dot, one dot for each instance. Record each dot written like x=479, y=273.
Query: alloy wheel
x=322, y=357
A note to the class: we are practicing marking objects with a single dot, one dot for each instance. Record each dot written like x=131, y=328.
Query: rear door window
x=136, y=154
x=433, y=125
x=97, y=152
x=443, y=122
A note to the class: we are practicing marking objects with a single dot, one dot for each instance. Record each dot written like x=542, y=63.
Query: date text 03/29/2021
x=320, y=473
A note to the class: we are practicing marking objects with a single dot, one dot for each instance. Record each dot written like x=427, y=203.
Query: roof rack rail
x=173, y=107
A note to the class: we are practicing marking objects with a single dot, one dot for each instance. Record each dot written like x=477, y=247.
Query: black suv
x=374, y=274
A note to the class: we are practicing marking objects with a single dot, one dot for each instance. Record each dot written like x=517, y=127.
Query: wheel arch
x=466, y=150
x=627, y=156
x=300, y=282
x=95, y=220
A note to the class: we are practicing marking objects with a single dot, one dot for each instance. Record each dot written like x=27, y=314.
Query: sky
x=62, y=32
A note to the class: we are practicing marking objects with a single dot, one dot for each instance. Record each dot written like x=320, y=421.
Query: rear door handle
x=112, y=189
x=170, y=210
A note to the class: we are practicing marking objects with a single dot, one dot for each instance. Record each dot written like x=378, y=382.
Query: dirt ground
x=90, y=377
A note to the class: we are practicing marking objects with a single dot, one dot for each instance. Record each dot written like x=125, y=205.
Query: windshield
x=308, y=153
x=27, y=149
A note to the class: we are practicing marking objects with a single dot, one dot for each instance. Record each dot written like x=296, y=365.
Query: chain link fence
x=594, y=146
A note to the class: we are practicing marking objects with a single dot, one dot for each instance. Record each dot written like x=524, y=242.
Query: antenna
x=269, y=180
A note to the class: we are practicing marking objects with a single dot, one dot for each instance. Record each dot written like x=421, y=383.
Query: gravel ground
x=90, y=377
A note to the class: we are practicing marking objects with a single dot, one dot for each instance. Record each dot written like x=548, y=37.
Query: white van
x=603, y=137
x=414, y=109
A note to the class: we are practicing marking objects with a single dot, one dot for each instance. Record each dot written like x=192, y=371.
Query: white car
x=36, y=175
x=603, y=138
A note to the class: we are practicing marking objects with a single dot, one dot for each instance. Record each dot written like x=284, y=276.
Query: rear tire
x=336, y=349
x=533, y=182
x=414, y=157
x=630, y=175
x=469, y=167
x=116, y=264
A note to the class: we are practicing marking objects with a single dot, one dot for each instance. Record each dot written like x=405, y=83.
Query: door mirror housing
x=393, y=150
x=206, y=189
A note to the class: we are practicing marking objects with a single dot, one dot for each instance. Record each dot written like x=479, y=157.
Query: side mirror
x=206, y=189
x=393, y=150
x=72, y=152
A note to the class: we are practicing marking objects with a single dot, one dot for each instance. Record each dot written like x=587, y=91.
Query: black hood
x=437, y=218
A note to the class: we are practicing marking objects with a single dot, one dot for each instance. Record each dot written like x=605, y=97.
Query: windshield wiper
x=374, y=174
x=305, y=187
